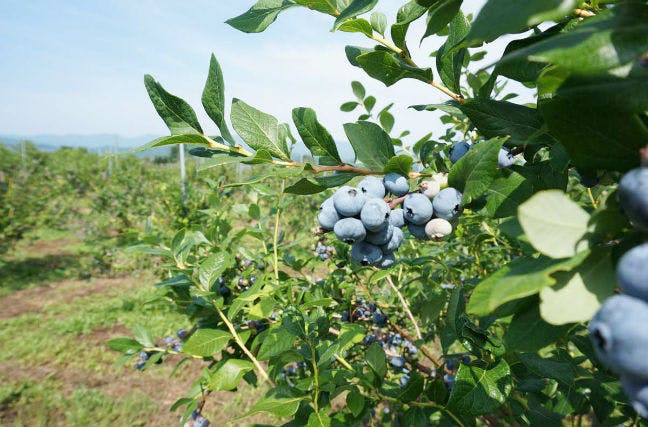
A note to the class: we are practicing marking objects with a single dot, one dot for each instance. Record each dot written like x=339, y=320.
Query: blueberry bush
x=513, y=227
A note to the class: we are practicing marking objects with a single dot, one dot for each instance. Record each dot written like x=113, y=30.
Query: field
x=63, y=295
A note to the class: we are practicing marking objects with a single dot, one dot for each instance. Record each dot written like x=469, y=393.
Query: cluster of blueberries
x=323, y=251
x=243, y=282
x=196, y=420
x=618, y=330
x=360, y=217
x=174, y=344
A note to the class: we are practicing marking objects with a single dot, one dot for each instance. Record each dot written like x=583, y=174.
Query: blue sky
x=76, y=67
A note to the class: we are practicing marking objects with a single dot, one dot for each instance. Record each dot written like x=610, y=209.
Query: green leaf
x=554, y=224
x=449, y=64
x=280, y=406
x=304, y=187
x=228, y=373
x=401, y=164
x=379, y=22
x=442, y=12
x=357, y=25
x=213, y=98
x=373, y=147
x=499, y=17
x=213, y=267
x=407, y=14
x=260, y=16
x=324, y=6
x=258, y=129
x=597, y=119
x=124, y=345
x=277, y=341
x=528, y=332
x=558, y=367
x=352, y=53
x=376, y=359
x=608, y=40
x=319, y=419
x=357, y=7
x=349, y=106
x=450, y=107
x=386, y=120
x=179, y=117
x=413, y=389
x=389, y=67
x=474, y=173
x=506, y=193
x=522, y=124
x=194, y=139
x=478, y=391
x=315, y=136
x=520, y=278
x=143, y=336
x=358, y=90
x=578, y=295
x=206, y=342
x=355, y=402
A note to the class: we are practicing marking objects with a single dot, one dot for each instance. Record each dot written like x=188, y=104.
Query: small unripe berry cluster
x=360, y=217
x=173, y=344
x=619, y=343
x=196, y=420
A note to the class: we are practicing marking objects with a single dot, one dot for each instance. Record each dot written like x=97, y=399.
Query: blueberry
x=459, y=150
x=447, y=204
x=417, y=208
x=465, y=358
x=404, y=380
x=637, y=392
x=375, y=214
x=619, y=335
x=201, y=421
x=242, y=281
x=379, y=320
x=144, y=355
x=633, y=196
x=412, y=349
x=396, y=218
x=396, y=184
x=451, y=364
x=327, y=215
x=177, y=347
x=324, y=257
x=449, y=380
x=430, y=188
x=369, y=339
x=291, y=370
x=397, y=362
x=397, y=340
x=395, y=241
x=345, y=316
x=221, y=281
x=225, y=291
x=372, y=307
x=139, y=365
x=365, y=253
x=589, y=180
x=382, y=236
x=252, y=280
x=260, y=325
x=505, y=158
x=438, y=228
x=387, y=260
x=167, y=340
x=632, y=272
x=348, y=201
x=350, y=230
x=418, y=231
x=372, y=186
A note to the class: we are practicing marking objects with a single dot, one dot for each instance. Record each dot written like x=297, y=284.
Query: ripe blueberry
x=632, y=272
x=397, y=362
x=379, y=319
x=447, y=204
x=396, y=218
x=382, y=236
x=387, y=260
x=365, y=253
x=348, y=201
x=417, y=208
x=418, y=231
x=637, y=392
x=372, y=186
x=459, y=150
x=633, y=196
x=327, y=215
x=396, y=184
x=349, y=230
x=395, y=241
x=375, y=214
x=619, y=335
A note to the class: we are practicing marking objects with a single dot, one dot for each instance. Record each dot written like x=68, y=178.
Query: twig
x=405, y=307
x=407, y=336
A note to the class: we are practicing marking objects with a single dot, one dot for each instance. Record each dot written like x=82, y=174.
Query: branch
x=405, y=307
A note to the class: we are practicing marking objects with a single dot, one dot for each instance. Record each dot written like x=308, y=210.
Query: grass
x=55, y=367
